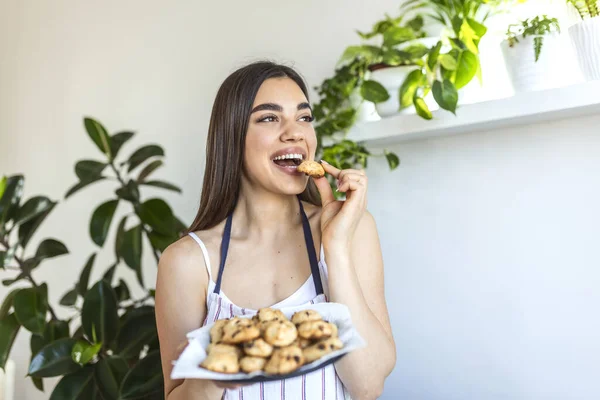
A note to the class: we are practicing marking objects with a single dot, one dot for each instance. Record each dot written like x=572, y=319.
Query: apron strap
x=308, y=239
x=310, y=247
x=224, y=248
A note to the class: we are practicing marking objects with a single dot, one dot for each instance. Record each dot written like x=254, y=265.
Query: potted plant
x=380, y=64
x=103, y=344
x=533, y=53
x=585, y=36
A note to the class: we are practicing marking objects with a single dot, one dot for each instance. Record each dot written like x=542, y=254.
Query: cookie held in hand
x=312, y=169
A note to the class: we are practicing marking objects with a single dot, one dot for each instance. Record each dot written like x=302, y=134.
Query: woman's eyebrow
x=267, y=106
x=278, y=108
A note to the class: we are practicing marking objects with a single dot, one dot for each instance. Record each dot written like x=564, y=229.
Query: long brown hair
x=226, y=140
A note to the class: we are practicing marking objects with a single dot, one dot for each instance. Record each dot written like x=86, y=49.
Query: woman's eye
x=268, y=118
x=308, y=118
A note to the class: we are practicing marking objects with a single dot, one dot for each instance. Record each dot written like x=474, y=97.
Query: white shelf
x=524, y=108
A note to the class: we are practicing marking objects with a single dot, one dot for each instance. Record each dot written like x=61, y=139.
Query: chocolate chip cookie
x=280, y=333
x=285, y=360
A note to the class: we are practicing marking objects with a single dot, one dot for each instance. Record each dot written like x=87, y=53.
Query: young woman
x=268, y=236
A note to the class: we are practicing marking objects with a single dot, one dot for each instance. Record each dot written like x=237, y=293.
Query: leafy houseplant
x=113, y=352
x=522, y=49
x=336, y=111
x=536, y=27
x=586, y=8
x=585, y=37
x=446, y=72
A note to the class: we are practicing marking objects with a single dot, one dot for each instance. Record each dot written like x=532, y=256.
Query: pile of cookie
x=270, y=342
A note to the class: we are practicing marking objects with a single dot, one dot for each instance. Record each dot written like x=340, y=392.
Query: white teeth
x=289, y=156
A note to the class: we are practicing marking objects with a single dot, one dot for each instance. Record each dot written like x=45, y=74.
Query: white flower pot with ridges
x=553, y=68
x=392, y=78
x=585, y=36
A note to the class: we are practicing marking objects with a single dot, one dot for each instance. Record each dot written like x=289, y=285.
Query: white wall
x=488, y=238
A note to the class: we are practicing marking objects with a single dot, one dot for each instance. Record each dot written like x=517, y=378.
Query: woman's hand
x=339, y=219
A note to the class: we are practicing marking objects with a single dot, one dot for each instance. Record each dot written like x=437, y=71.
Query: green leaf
x=120, y=237
x=100, y=222
x=374, y=91
x=54, y=359
x=99, y=313
x=99, y=135
x=446, y=95
x=129, y=192
x=56, y=329
x=50, y=248
x=84, y=277
x=32, y=208
x=422, y=108
x=142, y=154
x=392, y=159
x=83, y=352
x=161, y=184
x=8, y=303
x=108, y=275
x=3, y=182
x=434, y=53
x=409, y=87
x=117, y=140
x=148, y=169
x=31, y=307
x=132, y=250
x=448, y=62
x=28, y=229
x=466, y=70
x=160, y=241
x=86, y=170
x=36, y=343
x=139, y=329
x=397, y=35
x=157, y=214
x=144, y=379
x=69, y=298
x=11, y=197
x=9, y=327
x=537, y=45
x=122, y=291
x=76, y=386
x=479, y=29
x=80, y=185
x=109, y=374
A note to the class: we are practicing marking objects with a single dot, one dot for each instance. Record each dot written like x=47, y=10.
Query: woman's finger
x=350, y=185
x=324, y=190
x=352, y=176
x=330, y=169
x=345, y=172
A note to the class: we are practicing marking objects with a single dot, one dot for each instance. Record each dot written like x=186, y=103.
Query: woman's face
x=280, y=135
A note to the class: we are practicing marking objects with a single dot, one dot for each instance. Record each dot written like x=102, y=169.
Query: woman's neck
x=265, y=213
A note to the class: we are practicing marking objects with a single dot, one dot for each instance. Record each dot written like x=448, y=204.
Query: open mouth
x=288, y=160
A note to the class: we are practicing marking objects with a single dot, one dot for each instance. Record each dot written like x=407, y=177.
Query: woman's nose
x=291, y=133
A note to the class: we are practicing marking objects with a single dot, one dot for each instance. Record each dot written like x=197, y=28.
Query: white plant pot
x=585, y=36
x=392, y=78
x=365, y=110
x=553, y=69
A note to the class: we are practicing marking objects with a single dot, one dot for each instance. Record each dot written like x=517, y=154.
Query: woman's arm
x=355, y=266
x=356, y=280
x=181, y=286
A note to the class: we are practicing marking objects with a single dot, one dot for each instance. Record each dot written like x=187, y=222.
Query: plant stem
x=136, y=205
x=28, y=276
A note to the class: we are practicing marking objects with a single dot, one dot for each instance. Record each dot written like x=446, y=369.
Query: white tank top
x=321, y=384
